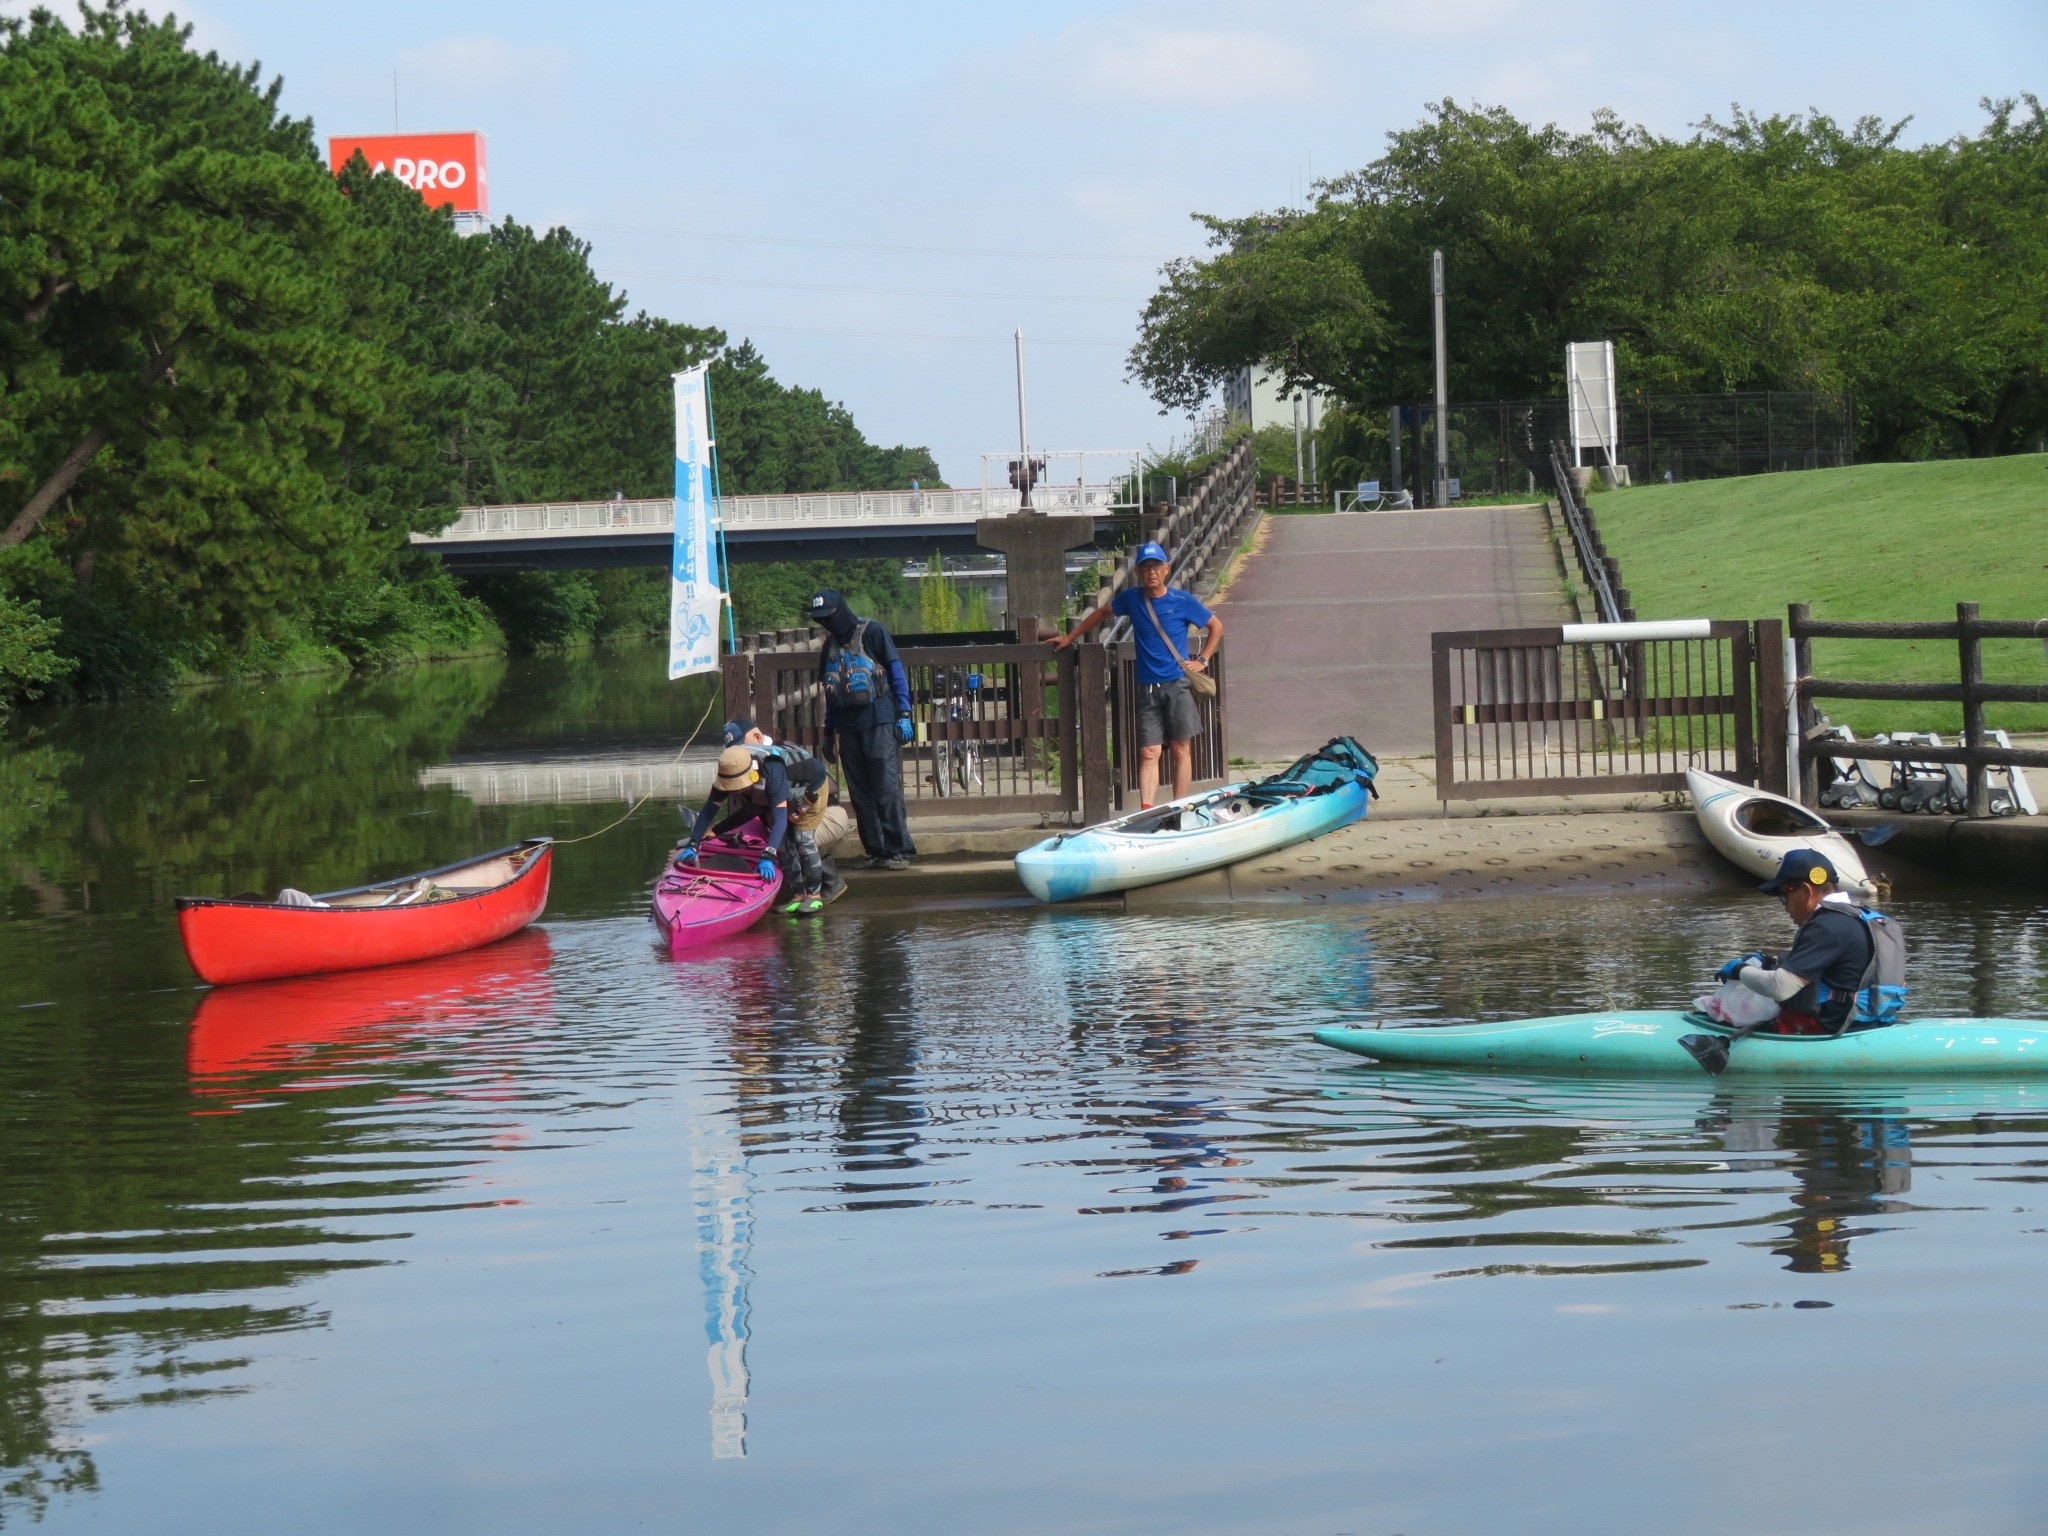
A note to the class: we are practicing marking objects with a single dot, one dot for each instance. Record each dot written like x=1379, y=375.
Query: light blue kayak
x=1646, y=1041
x=1328, y=789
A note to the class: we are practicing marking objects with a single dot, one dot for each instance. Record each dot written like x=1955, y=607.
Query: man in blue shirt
x=1160, y=615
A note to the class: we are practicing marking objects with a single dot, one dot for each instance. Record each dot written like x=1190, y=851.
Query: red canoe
x=415, y=917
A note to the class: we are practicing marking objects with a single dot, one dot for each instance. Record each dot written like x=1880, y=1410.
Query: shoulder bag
x=1201, y=682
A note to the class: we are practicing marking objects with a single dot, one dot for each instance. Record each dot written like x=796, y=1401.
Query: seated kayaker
x=1847, y=965
x=814, y=817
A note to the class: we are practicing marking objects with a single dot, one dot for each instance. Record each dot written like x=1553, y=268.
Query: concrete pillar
x=1034, y=551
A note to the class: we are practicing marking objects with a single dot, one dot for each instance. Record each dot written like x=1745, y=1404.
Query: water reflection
x=843, y=1147
x=1844, y=1165
x=325, y=1032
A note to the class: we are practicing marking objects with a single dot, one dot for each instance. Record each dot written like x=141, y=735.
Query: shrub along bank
x=1877, y=541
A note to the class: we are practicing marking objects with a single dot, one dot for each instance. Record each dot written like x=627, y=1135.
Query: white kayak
x=1328, y=789
x=1754, y=829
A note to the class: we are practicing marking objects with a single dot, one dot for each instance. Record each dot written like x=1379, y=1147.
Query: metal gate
x=1592, y=708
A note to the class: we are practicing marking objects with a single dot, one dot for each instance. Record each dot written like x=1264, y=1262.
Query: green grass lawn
x=1878, y=541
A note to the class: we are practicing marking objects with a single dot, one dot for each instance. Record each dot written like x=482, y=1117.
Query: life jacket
x=791, y=756
x=853, y=678
x=806, y=775
x=1881, y=994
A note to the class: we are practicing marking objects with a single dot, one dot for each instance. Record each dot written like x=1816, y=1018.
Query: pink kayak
x=721, y=894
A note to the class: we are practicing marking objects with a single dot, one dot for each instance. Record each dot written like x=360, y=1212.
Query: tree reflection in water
x=136, y=1278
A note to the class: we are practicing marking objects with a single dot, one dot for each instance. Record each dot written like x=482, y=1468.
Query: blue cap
x=1148, y=551
x=1802, y=866
x=735, y=732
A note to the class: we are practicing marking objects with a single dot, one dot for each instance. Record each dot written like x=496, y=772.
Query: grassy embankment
x=1877, y=541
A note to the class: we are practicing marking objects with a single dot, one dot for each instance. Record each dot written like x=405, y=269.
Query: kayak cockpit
x=1776, y=818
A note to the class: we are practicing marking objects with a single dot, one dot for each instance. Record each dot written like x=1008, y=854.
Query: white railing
x=595, y=519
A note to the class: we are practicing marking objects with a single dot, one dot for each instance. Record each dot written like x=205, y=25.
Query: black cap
x=1802, y=866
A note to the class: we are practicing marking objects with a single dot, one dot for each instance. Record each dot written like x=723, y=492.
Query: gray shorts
x=1166, y=712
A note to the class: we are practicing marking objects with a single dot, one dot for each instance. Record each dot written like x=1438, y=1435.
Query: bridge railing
x=596, y=519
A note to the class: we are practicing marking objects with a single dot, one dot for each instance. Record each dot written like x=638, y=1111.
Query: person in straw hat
x=747, y=789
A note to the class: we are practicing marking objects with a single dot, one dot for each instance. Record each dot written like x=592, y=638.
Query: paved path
x=1329, y=623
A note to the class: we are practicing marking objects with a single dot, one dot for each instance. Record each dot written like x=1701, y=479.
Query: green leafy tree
x=191, y=344
x=232, y=384
x=1765, y=253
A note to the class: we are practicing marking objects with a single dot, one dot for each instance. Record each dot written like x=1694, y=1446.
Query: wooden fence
x=1002, y=727
x=1976, y=752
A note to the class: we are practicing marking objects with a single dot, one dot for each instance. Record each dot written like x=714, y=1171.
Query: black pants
x=873, y=760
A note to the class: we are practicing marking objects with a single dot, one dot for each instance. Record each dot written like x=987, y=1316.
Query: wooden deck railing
x=1969, y=632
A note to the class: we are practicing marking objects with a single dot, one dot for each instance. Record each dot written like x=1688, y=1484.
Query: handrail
x=1594, y=562
x=1216, y=503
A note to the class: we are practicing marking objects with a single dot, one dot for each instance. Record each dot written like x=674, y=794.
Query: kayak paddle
x=1711, y=1051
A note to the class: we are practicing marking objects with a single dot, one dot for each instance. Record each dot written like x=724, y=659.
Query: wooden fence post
x=765, y=679
x=1772, y=773
x=738, y=675
x=1067, y=670
x=1970, y=651
x=1092, y=709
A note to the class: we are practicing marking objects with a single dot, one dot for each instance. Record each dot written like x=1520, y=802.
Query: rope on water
x=633, y=810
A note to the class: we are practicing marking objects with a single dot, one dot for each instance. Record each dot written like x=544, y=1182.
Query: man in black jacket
x=867, y=724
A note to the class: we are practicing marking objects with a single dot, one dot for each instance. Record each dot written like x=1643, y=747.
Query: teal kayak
x=1646, y=1041
x=1329, y=788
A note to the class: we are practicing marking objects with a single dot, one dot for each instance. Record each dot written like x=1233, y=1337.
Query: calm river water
x=1002, y=1220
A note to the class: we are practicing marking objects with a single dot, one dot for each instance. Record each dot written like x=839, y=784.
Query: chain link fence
x=1502, y=447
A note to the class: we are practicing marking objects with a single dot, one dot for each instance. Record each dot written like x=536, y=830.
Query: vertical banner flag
x=694, y=598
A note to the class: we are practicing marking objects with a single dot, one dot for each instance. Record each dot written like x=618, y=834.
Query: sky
x=879, y=194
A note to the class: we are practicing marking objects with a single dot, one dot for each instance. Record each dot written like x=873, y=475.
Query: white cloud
x=480, y=65
x=1143, y=56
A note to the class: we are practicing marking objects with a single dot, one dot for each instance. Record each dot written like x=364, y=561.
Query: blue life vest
x=853, y=679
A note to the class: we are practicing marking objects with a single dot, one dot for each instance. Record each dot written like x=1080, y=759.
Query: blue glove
x=1731, y=970
x=765, y=869
x=687, y=854
x=905, y=730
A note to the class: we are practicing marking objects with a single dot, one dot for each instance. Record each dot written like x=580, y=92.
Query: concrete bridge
x=830, y=525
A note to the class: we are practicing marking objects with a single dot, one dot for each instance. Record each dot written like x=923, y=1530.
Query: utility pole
x=1297, y=448
x=1023, y=431
x=1313, y=478
x=1442, y=495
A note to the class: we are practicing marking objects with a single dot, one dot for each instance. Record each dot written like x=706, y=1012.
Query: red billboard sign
x=447, y=169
